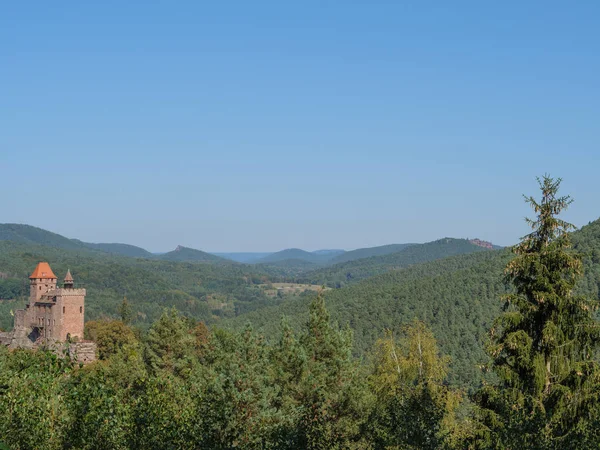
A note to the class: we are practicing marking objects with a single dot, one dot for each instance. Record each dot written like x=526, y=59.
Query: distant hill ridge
x=292, y=258
x=319, y=256
x=242, y=257
x=368, y=252
x=182, y=254
x=348, y=272
x=458, y=296
x=27, y=234
x=119, y=249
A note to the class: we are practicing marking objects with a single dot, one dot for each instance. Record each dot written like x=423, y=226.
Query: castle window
x=40, y=288
x=63, y=309
x=81, y=310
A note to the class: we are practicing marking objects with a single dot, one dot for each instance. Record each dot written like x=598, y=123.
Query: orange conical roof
x=68, y=276
x=43, y=270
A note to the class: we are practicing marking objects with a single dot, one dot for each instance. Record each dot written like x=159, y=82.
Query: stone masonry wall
x=73, y=310
x=5, y=338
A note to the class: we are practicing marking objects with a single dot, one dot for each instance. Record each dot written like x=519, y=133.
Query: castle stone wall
x=72, y=312
x=5, y=338
x=52, y=317
x=39, y=287
x=83, y=352
x=19, y=318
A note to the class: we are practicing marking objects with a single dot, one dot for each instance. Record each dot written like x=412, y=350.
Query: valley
x=288, y=314
x=452, y=285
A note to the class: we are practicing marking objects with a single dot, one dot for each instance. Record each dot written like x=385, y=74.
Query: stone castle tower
x=52, y=314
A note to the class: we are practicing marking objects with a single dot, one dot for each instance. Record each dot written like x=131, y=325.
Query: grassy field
x=274, y=289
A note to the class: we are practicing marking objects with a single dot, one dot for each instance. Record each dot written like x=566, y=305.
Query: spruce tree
x=332, y=394
x=169, y=345
x=542, y=346
x=126, y=312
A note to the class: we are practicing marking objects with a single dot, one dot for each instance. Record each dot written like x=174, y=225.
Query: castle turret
x=68, y=282
x=41, y=281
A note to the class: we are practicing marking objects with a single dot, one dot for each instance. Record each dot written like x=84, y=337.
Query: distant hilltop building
x=52, y=316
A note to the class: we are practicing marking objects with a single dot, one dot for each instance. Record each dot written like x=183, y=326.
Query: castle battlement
x=68, y=292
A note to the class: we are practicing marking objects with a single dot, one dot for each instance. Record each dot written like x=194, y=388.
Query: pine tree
x=169, y=345
x=126, y=312
x=238, y=400
x=332, y=395
x=543, y=345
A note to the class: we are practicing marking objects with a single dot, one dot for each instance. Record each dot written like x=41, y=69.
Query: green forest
x=444, y=345
x=200, y=285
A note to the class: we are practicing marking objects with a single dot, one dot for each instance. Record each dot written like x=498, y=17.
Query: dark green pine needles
x=543, y=345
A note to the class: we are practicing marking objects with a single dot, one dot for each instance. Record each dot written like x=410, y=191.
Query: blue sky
x=257, y=126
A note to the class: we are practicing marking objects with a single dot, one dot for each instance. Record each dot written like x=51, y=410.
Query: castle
x=53, y=315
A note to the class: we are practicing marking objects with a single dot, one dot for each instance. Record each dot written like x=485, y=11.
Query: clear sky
x=257, y=126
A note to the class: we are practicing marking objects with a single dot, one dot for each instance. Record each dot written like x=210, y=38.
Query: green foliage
x=309, y=383
x=169, y=345
x=118, y=249
x=100, y=398
x=238, y=407
x=457, y=297
x=26, y=234
x=543, y=347
x=331, y=394
x=11, y=288
x=296, y=254
x=352, y=271
x=126, y=312
x=414, y=407
x=166, y=415
x=110, y=336
x=33, y=414
x=287, y=269
x=150, y=285
x=369, y=252
x=185, y=254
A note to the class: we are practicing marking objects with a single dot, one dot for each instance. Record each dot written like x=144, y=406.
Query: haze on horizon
x=264, y=126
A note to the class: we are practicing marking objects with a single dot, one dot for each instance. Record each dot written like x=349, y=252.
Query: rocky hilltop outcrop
x=480, y=243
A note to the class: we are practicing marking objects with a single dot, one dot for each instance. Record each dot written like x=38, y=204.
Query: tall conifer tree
x=543, y=345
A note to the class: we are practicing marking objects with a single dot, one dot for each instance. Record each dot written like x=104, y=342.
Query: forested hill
x=189, y=255
x=119, y=249
x=205, y=291
x=242, y=257
x=342, y=274
x=288, y=269
x=27, y=234
x=299, y=254
x=368, y=252
x=458, y=297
